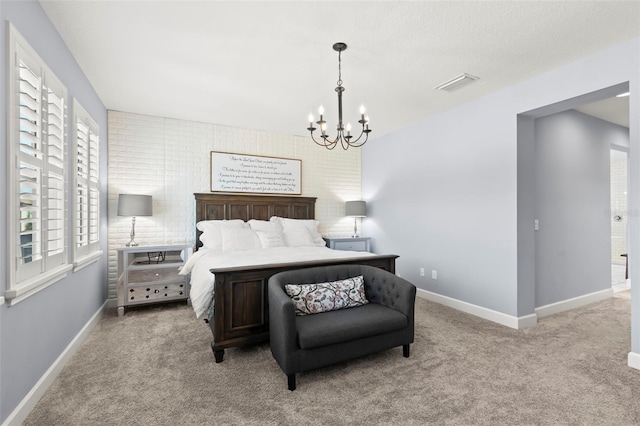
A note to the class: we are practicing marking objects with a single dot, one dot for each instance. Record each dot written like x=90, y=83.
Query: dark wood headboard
x=217, y=206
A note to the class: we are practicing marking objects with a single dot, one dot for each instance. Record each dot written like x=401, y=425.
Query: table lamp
x=356, y=209
x=134, y=205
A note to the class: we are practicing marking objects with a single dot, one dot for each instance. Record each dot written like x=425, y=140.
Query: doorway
x=552, y=277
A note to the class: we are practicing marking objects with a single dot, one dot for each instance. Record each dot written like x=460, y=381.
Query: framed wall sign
x=253, y=173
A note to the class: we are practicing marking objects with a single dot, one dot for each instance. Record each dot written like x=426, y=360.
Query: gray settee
x=301, y=343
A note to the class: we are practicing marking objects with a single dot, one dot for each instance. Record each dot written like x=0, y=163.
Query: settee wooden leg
x=405, y=351
x=291, y=380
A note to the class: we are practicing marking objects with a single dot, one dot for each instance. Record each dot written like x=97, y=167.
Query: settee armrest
x=390, y=290
x=283, y=333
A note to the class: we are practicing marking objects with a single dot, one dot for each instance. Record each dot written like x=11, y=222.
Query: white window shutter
x=36, y=205
x=86, y=184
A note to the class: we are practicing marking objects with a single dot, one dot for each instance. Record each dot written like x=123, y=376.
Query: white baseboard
x=31, y=399
x=576, y=302
x=485, y=313
x=633, y=360
x=525, y=321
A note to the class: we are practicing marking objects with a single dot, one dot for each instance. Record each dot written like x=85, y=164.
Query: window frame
x=25, y=279
x=90, y=252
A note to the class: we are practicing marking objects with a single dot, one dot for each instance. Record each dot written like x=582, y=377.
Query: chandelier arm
x=327, y=143
x=355, y=143
x=346, y=142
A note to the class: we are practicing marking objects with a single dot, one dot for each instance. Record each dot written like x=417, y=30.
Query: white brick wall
x=169, y=159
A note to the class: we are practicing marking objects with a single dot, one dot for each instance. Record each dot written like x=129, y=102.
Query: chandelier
x=344, y=132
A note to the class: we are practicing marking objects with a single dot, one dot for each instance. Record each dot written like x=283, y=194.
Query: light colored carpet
x=154, y=366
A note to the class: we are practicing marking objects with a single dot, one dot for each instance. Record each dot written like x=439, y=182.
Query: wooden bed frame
x=241, y=315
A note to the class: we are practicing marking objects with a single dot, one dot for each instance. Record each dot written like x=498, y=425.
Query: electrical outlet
x=434, y=274
x=422, y=272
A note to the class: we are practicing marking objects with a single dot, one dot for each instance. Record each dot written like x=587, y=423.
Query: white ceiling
x=266, y=65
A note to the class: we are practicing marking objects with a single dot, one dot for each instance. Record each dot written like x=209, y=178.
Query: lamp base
x=355, y=228
x=132, y=242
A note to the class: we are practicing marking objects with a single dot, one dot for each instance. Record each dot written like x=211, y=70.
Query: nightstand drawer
x=351, y=245
x=143, y=294
x=153, y=275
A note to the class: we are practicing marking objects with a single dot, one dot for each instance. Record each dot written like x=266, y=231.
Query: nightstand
x=149, y=274
x=349, y=243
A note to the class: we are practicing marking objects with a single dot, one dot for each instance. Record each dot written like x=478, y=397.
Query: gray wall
x=443, y=193
x=34, y=332
x=572, y=203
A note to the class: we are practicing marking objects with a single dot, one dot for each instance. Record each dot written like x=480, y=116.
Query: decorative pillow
x=238, y=239
x=298, y=237
x=211, y=237
x=330, y=296
x=271, y=239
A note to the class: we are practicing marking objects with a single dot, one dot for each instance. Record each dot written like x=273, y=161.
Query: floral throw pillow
x=330, y=296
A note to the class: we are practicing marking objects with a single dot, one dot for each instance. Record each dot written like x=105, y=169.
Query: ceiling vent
x=457, y=82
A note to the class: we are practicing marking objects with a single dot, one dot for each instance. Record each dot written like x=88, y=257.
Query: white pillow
x=205, y=225
x=277, y=220
x=211, y=236
x=264, y=225
x=299, y=237
x=271, y=239
x=309, y=224
x=238, y=239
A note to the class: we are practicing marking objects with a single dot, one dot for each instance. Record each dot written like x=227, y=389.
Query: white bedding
x=199, y=264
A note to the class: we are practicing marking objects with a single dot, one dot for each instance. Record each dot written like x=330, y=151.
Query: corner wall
x=444, y=191
x=35, y=332
x=170, y=160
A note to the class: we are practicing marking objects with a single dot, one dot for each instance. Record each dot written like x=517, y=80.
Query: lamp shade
x=355, y=208
x=135, y=205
